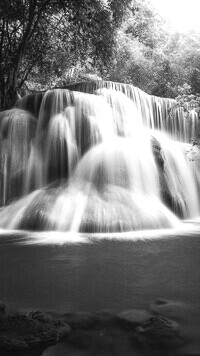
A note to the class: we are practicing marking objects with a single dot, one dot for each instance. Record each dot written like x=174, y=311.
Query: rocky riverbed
x=163, y=329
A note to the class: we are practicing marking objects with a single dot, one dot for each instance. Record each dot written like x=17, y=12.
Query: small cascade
x=61, y=151
x=93, y=121
x=178, y=177
x=96, y=157
x=17, y=130
x=156, y=113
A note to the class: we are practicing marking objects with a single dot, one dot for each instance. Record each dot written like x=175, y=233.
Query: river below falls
x=64, y=272
x=57, y=271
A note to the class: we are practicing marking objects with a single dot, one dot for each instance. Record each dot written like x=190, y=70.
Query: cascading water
x=100, y=157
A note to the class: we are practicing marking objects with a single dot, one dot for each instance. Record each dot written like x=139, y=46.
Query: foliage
x=53, y=36
x=48, y=43
x=140, y=52
x=153, y=57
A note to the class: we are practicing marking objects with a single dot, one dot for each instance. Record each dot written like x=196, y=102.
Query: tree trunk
x=8, y=91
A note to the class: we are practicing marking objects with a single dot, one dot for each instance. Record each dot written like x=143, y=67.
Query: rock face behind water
x=165, y=192
x=29, y=335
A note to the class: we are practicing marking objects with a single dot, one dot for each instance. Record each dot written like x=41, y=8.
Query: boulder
x=62, y=328
x=133, y=317
x=159, y=333
x=171, y=309
x=29, y=335
x=21, y=335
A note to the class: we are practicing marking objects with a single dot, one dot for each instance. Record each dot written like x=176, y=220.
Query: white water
x=89, y=164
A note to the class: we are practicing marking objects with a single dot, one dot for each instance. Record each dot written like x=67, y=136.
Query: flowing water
x=95, y=181
x=106, y=158
x=55, y=271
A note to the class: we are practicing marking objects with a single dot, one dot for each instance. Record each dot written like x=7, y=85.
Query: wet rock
x=105, y=317
x=79, y=320
x=62, y=328
x=54, y=314
x=171, y=309
x=157, y=152
x=29, y=335
x=41, y=317
x=21, y=335
x=172, y=202
x=133, y=317
x=159, y=333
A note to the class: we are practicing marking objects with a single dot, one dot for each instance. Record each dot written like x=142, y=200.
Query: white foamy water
x=105, y=161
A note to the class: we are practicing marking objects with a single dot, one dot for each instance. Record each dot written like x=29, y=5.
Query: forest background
x=51, y=43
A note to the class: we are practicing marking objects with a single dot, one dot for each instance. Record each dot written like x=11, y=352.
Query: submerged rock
x=105, y=317
x=79, y=320
x=171, y=309
x=133, y=317
x=159, y=333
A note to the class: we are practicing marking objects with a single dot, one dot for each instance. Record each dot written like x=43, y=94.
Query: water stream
x=96, y=184
x=100, y=157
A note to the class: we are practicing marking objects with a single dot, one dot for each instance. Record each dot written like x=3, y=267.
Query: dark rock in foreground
x=130, y=332
x=22, y=335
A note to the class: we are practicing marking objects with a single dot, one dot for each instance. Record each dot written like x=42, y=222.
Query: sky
x=183, y=15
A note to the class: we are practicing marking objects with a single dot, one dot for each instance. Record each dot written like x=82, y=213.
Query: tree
x=30, y=29
x=140, y=52
x=19, y=21
x=152, y=56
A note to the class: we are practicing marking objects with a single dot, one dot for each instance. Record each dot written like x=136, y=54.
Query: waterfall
x=96, y=157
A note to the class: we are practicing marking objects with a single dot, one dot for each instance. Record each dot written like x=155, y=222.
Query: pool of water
x=57, y=271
